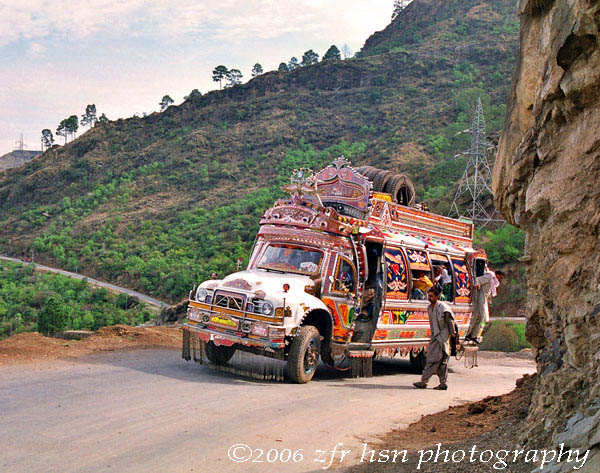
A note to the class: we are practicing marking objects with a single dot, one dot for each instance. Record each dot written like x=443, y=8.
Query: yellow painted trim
x=199, y=305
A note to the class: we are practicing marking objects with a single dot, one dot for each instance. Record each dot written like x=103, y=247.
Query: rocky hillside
x=546, y=181
x=16, y=159
x=157, y=203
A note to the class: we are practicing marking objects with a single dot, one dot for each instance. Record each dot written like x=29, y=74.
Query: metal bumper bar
x=228, y=339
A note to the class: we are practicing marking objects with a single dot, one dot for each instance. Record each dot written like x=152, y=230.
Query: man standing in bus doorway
x=484, y=290
x=441, y=322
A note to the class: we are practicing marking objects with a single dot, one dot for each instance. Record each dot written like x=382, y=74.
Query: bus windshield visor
x=291, y=259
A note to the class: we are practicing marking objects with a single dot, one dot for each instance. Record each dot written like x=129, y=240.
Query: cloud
x=123, y=55
x=36, y=50
x=263, y=19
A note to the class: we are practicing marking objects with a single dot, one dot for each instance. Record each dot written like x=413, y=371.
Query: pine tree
x=257, y=70
x=165, y=102
x=292, y=64
x=399, y=5
x=332, y=54
x=89, y=117
x=47, y=139
x=283, y=67
x=72, y=126
x=309, y=58
x=234, y=77
x=63, y=129
x=219, y=73
x=194, y=95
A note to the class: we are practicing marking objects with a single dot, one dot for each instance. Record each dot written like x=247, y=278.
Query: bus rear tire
x=303, y=357
x=418, y=361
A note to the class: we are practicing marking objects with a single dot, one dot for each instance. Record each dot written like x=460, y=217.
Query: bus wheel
x=417, y=362
x=303, y=357
x=219, y=355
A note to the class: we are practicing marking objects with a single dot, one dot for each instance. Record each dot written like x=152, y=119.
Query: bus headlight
x=267, y=308
x=201, y=294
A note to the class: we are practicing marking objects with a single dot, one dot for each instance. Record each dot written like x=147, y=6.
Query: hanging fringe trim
x=361, y=363
x=235, y=361
x=185, y=346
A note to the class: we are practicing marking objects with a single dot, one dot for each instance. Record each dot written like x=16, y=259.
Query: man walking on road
x=441, y=322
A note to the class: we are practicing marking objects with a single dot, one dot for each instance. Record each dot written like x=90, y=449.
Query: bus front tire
x=303, y=357
x=219, y=355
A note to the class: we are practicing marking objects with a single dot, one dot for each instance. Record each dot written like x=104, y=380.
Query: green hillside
x=157, y=203
x=35, y=301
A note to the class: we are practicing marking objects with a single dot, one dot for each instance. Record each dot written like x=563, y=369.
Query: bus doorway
x=372, y=296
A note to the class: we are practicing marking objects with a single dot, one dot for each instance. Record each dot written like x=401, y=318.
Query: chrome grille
x=229, y=301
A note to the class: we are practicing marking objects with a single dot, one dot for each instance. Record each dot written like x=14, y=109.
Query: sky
x=124, y=55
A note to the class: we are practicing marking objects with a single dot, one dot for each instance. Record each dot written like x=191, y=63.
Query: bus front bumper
x=218, y=337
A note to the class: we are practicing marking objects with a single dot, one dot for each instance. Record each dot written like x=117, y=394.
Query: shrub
x=503, y=245
x=501, y=336
x=52, y=318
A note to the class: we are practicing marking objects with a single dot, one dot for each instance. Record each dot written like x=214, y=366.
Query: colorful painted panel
x=398, y=317
x=400, y=335
x=341, y=184
x=403, y=316
x=343, y=314
x=462, y=281
x=418, y=260
x=397, y=274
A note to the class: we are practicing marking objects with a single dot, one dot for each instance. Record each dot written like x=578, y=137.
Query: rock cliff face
x=547, y=181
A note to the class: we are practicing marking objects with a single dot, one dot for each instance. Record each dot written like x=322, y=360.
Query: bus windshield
x=292, y=259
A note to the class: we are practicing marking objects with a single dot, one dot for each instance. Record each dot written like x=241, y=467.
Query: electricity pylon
x=475, y=184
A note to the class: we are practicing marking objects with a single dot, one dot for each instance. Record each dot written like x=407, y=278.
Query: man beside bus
x=484, y=289
x=441, y=322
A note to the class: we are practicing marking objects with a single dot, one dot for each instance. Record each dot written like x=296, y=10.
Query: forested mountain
x=157, y=203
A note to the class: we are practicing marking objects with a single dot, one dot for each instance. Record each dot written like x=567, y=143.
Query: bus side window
x=397, y=274
x=462, y=280
x=345, y=276
x=443, y=275
x=420, y=273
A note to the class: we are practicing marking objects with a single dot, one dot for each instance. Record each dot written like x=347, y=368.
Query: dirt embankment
x=32, y=347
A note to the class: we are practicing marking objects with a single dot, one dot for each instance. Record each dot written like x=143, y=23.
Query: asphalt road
x=94, y=282
x=150, y=411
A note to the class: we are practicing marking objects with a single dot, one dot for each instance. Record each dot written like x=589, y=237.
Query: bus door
x=371, y=299
x=342, y=293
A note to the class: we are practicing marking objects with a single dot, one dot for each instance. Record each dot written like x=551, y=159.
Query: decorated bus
x=339, y=269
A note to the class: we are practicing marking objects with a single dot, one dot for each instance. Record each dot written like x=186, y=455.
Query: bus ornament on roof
x=302, y=182
x=344, y=188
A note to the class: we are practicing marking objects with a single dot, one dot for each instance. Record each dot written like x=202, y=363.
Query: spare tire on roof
x=363, y=169
x=401, y=188
x=371, y=173
x=380, y=180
